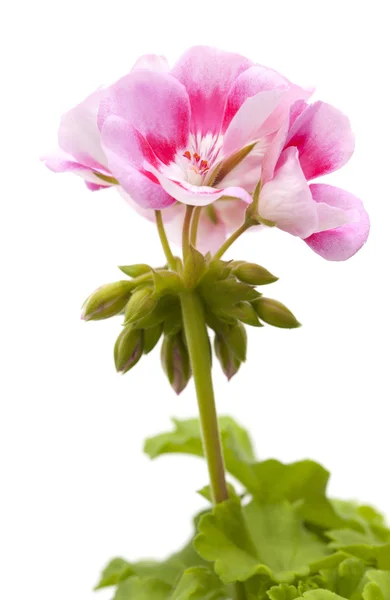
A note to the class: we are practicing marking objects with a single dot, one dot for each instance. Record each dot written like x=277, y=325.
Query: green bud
x=275, y=313
x=194, y=268
x=228, y=361
x=224, y=294
x=107, y=301
x=236, y=338
x=217, y=270
x=167, y=282
x=141, y=303
x=176, y=362
x=136, y=270
x=128, y=349
x=173, y=322
x=151, y=337
x=242, y=311
x=254, y=274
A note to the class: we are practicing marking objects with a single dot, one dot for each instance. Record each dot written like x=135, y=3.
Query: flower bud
x=275, y=313
x=128, y=348
x=229, y=362
x=136, y=270
x=151, y=337
x=236, y=338
x=243, y=311
x=176, y=362
x=141, y=303
x=254, y=274
x=107, y=301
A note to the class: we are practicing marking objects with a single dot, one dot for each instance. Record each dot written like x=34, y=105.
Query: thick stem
x=199, y=351
x=186, y=230
x=164, y=240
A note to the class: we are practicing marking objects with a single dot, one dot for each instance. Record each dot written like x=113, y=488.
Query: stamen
x=204, y=165
x=187, y=154
x=196, y=157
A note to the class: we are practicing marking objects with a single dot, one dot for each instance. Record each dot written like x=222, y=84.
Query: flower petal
x=324, y=139
x=126, y=151
x=251, y=121
x=345, y=241
x=196, y=195
x=252, y=81
x=152, y=62
x=79, y=135
x=155, y=104
x=286, y=199
x=208, y=74
x=59, y=161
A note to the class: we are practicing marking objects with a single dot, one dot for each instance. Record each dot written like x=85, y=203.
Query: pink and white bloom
x=205, y=133
x=184, y=130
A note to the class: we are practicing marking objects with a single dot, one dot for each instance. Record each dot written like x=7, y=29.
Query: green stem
x=164, y=240
x=225, y=246
x=199, y=351
x=186, y=230
x=195, y=225
x=240, y=590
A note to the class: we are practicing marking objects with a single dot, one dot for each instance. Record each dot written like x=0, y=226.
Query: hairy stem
x=164, y=240
x=199, y=351
x=186, y=230
x=226, y=245
x=195, y=225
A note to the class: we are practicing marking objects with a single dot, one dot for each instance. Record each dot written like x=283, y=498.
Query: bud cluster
x=150, y=304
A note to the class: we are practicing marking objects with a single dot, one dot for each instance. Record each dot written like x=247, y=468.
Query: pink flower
x=197, y=133
x=205, y=133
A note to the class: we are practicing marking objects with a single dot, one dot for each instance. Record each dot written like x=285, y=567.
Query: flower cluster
x=208, y=133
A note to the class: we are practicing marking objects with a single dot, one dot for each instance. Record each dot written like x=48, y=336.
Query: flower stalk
x=199, y=352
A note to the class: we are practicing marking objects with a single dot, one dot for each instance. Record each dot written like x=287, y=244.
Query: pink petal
x=127, y=150
x=324, y=139
x=208, y=74
x=79, y=135
x=286, y=199
x=152, y=62
x=59, y=161
x=252, y=81
x=196, y=195
x=345, y=241
x=155, y=104
x=251, y=121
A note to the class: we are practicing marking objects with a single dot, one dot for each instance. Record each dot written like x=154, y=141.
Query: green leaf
x=257, y=539
x=361, y=545
x=142, y=589
x=378, y=586
x=199, y=584
x=347, y=579
x=321, y=595
x=269, y=481
x=117, y=570
x=283, y=591
x=186, y=439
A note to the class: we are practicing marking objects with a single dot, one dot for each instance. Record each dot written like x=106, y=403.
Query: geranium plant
x=208, y=149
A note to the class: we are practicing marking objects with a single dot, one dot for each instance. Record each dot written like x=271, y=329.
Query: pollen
x=187, y=154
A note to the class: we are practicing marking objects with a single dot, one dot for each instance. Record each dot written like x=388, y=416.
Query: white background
x=76, y=488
